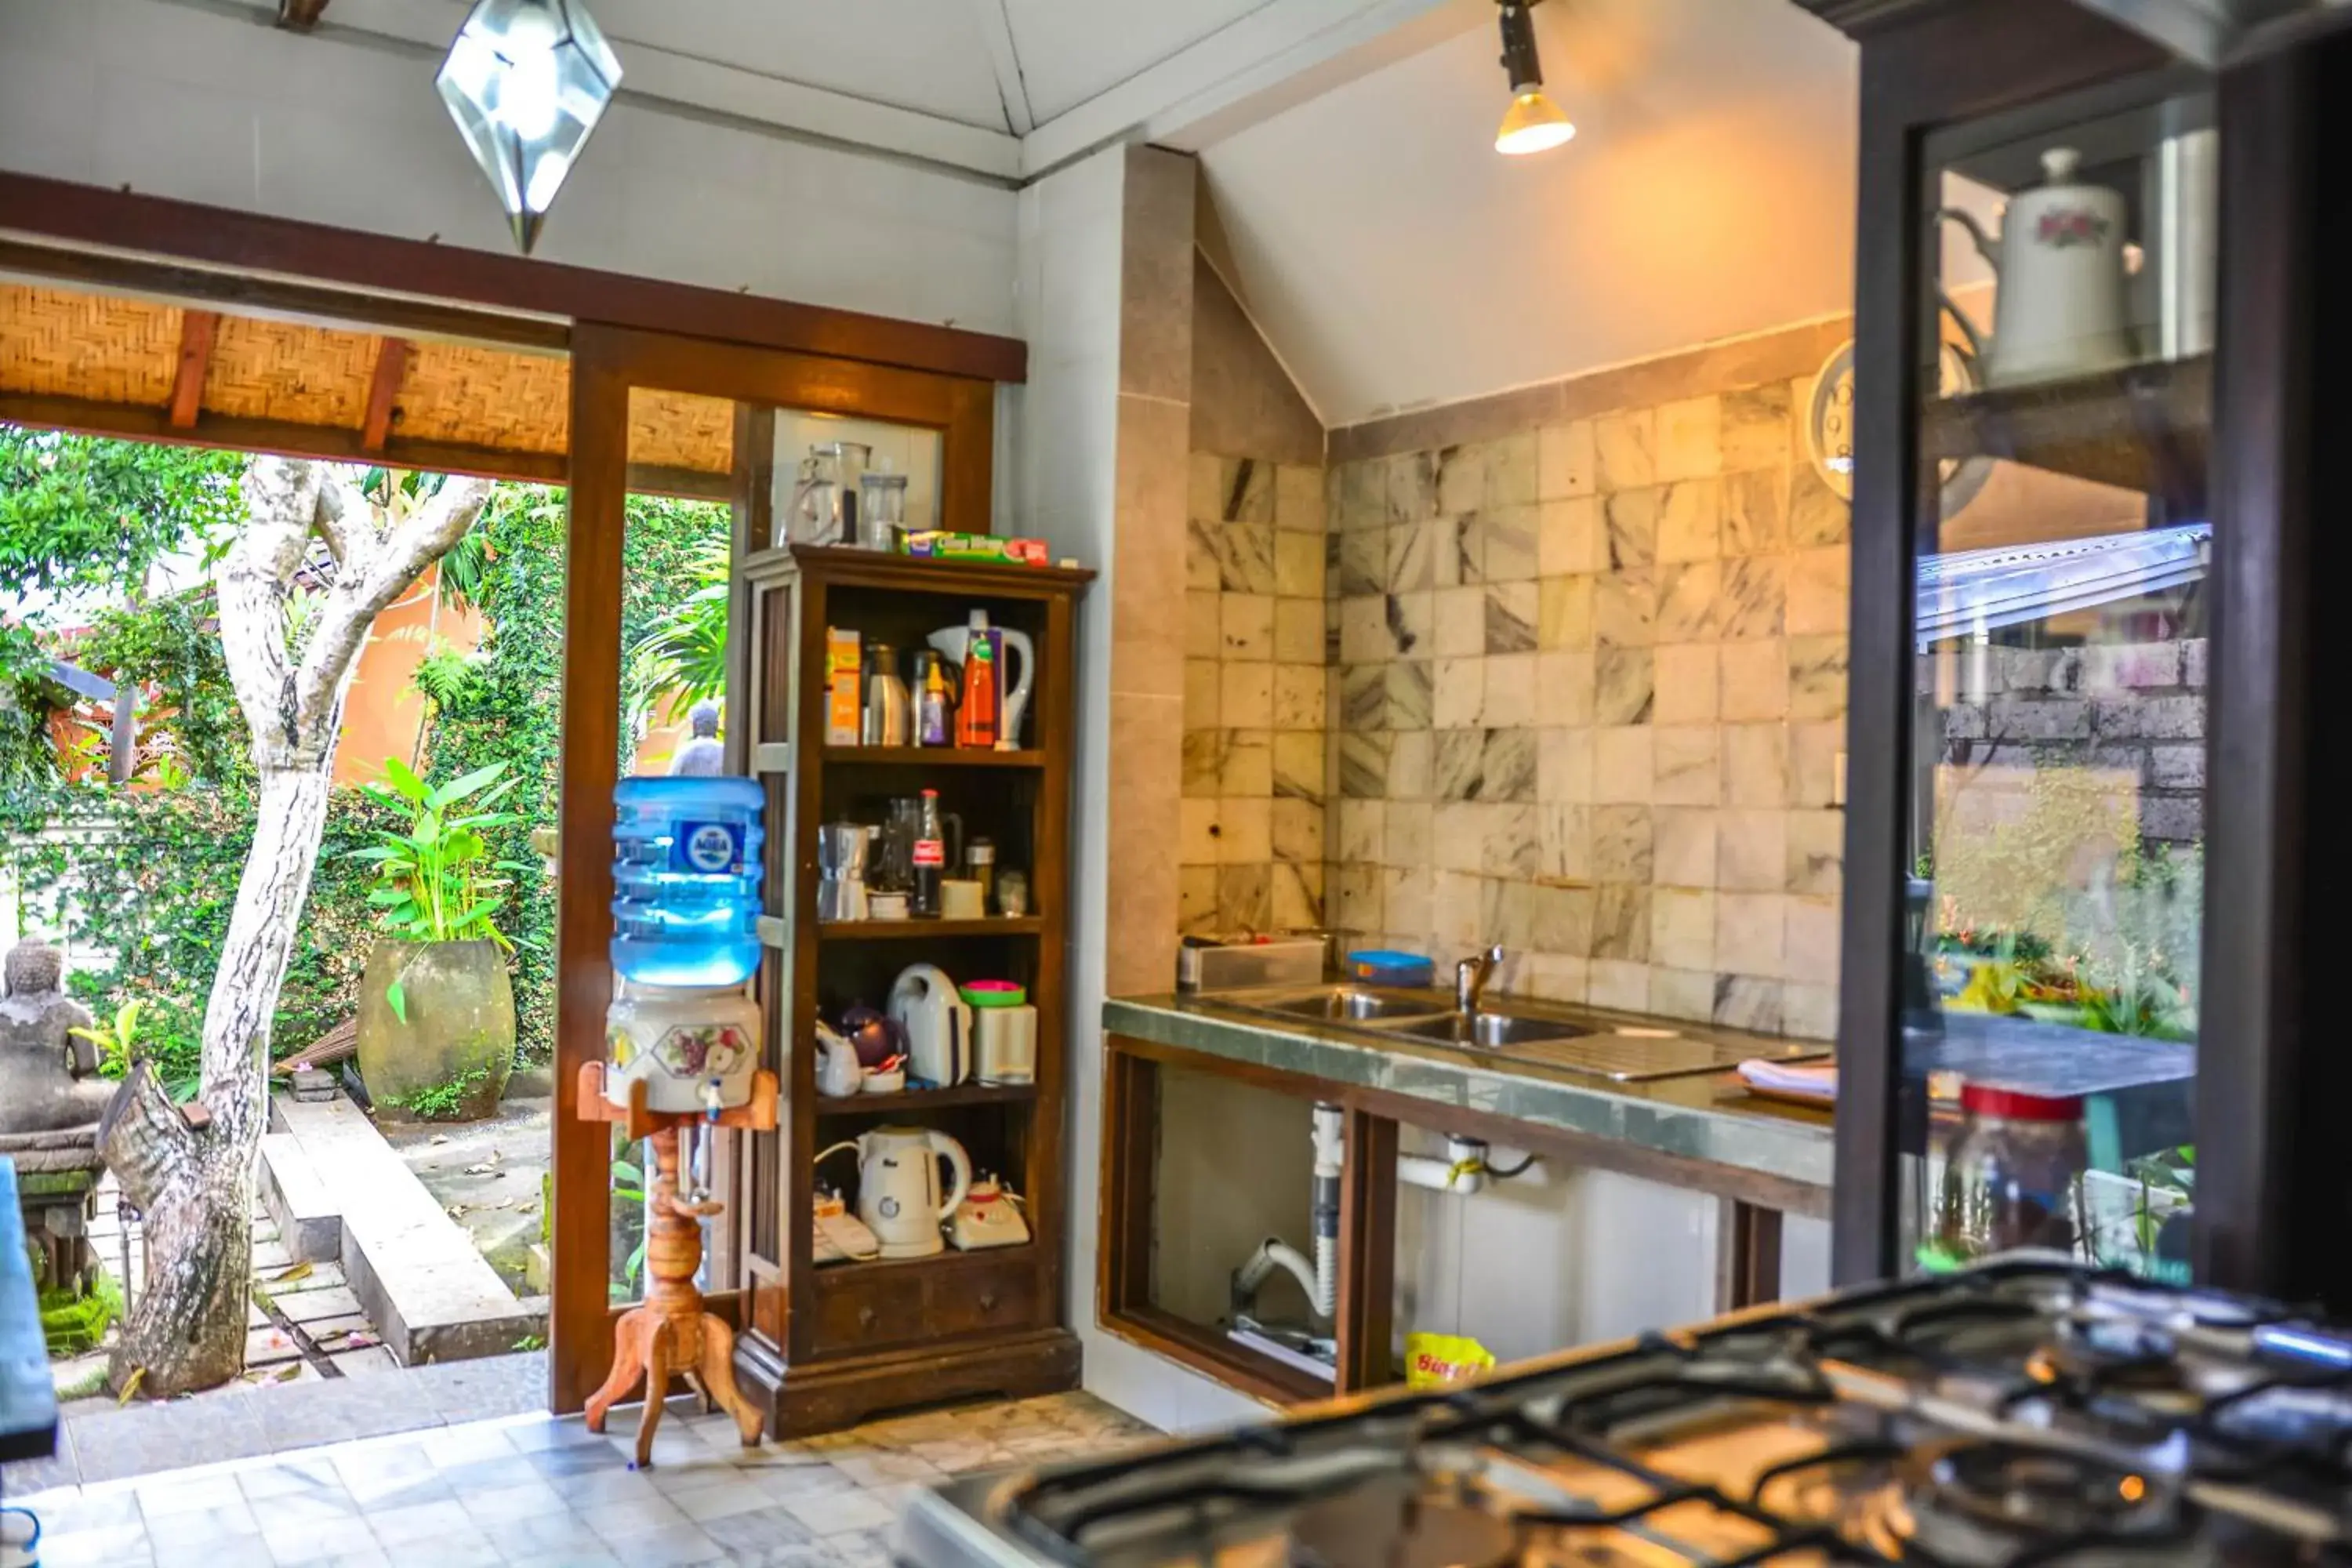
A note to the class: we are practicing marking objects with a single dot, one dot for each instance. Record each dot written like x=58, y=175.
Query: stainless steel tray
x=1642, y=1057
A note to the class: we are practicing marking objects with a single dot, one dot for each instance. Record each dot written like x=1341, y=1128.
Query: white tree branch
x=253, y=581
x=373, y=574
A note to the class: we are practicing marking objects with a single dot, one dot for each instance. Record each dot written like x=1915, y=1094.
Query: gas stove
x=2026, y=1411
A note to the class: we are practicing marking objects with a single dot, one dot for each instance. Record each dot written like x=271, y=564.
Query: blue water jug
x=686, y=879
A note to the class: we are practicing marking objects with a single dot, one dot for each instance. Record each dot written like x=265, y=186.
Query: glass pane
x=2057, y=807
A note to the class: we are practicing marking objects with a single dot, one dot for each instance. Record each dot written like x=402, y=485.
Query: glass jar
x=2014, y=1176
x=881, y=510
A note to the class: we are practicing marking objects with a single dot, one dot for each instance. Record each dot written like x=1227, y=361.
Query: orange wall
x=383, y=713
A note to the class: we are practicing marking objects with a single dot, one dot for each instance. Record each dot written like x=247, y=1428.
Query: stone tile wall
x=1256, y=681
x=1590, y=697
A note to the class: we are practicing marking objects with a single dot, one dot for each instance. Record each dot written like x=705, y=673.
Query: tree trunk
x=197, y=1187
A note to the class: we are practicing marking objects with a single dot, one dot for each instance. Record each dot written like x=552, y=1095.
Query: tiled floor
x=534, y=1489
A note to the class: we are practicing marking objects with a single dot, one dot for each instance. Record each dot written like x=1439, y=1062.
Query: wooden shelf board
x=913, y=1099
x=2144, y=428
x=945, y=1262
x=929, y=757
x=917, y=929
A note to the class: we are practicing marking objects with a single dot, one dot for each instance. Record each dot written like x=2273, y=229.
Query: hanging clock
x=1829, y=426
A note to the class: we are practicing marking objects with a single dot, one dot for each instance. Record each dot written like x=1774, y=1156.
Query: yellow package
x=1432, y=1361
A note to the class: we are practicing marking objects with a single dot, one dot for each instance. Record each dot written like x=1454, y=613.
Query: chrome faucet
x=1470, y=977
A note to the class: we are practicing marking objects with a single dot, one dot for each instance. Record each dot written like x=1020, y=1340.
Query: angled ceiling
x=1395, y=260
x=1005, y=89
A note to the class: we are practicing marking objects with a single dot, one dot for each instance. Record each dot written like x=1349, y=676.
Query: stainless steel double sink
x=1626, y=1052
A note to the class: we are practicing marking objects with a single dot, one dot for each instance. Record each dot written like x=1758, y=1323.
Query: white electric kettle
x=898, y=1186
x=2061, y=306
x=938, y=1020
x=955, y=642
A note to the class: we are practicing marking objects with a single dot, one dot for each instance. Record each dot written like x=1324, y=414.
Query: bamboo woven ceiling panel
x=681, y=430
x=120, y=357
x=456, y=391
x=60, y=344
x=277, y=370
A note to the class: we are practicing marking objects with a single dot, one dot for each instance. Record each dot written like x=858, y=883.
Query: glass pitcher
x=825, y=496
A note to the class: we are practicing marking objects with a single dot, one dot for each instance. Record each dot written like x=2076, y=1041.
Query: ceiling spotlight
x=1534, y=122
x=526, y=82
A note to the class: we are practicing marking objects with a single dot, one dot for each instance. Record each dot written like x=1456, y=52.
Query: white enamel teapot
x=2061, y=307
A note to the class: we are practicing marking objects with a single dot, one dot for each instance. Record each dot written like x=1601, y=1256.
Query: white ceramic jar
x=694, y=1048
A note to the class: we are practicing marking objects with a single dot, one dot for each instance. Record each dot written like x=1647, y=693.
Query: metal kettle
x=2061, y=306
x=898, y=1186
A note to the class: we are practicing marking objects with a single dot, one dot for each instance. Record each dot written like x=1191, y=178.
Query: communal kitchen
x=1543, y=774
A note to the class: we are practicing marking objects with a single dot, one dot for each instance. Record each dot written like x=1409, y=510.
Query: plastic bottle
x=930, y=859
x=686, y=879
x=979, y=717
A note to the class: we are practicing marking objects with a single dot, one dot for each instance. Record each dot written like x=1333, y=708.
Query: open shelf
x=930, y=757
x=913, y=1099
x=2145, y=427
x=917, y=929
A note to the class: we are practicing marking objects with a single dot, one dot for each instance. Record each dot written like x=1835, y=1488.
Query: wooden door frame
x=620, y=331
x=235, y=245
x=608, y=361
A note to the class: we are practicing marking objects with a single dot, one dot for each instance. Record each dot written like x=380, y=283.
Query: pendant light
x=1533, y=123
x=526, y=81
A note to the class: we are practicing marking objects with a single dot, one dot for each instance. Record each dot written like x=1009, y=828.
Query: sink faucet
x=1470, y=977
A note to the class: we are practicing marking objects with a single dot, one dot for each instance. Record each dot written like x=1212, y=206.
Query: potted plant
x=436, y=1022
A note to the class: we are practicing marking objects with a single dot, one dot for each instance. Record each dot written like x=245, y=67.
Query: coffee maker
x=841, y=848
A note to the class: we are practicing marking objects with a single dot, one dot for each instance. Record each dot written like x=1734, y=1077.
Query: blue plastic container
x=1385, y=966
x=686, y=877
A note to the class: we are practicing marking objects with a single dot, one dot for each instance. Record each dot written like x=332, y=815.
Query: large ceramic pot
x=459, y=1028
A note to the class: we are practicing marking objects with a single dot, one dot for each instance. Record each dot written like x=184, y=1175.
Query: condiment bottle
x=980, y=713
x=934, y=702
x=980, y=865
x=930, y=858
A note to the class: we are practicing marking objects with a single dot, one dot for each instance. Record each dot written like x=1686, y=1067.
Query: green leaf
x=396, y=996
x=405, y=781
x=457, y=789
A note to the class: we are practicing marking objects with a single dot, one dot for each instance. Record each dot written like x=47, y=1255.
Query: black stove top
x=2023, y=1412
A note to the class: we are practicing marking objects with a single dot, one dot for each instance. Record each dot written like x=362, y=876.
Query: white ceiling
x=1395, y=260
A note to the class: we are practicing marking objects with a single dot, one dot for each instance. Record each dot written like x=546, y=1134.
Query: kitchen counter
x=1710, y=1120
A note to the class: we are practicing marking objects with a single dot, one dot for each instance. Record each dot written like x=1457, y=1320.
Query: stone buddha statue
x=50, y=1101
x=49, y=1080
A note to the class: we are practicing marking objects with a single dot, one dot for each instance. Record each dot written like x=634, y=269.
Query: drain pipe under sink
x=1320, y=1279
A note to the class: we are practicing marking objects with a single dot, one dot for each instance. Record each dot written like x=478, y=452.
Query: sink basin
x=1339, y=1005
x=1487, y=1031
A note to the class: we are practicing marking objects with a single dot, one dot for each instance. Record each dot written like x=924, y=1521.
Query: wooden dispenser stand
x=671, y=1333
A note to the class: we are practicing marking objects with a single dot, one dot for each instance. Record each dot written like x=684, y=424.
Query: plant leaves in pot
x=437, y=1018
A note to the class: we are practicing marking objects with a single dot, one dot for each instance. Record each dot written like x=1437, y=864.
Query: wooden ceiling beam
x=198, y=331
x=391, y=364
x=300, y=15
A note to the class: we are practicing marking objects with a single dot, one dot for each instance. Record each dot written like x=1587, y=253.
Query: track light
x=526, y=82
x=1533, y=123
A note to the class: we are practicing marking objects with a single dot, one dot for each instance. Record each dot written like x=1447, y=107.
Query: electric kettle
x=938, y=1021
x=955, y=642
x=2060, y=305
x=898, y=1186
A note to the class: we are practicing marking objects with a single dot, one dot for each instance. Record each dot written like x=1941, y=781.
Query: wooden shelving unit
x=2145, y=427
x=826, y=1348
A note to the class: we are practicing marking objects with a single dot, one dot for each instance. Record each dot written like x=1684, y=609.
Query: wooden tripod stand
x=671, y=1333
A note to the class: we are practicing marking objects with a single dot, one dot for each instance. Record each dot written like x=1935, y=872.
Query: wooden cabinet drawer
x=869, y=1312
x=952, y=1297
x=982, y=1299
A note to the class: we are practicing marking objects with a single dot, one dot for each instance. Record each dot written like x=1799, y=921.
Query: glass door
x=2052, y=886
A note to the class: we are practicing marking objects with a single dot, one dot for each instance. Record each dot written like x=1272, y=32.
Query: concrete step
x=309, y=1225
x=413, y=1269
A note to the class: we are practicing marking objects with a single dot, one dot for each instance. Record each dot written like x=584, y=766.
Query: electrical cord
x=1500, y=1174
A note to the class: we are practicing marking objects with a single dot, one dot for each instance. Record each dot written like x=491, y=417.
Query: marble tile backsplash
x=1256, y=685
x=1589, y=692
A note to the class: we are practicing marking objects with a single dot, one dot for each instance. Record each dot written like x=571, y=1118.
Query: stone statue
x=50, y=1101
x=49, y=1080
x=702, y=756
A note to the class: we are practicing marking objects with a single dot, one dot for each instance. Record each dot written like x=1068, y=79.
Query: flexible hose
x=1326, y=1276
